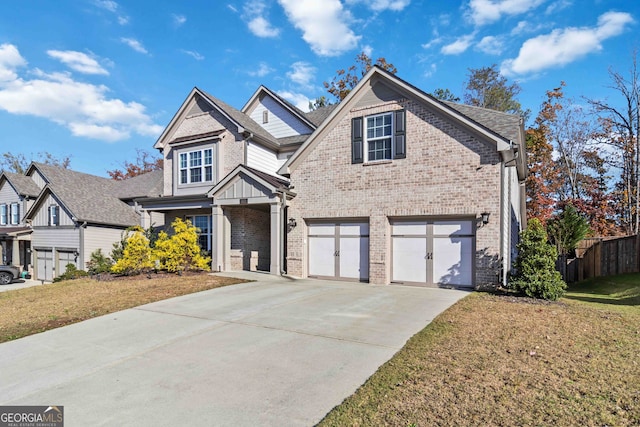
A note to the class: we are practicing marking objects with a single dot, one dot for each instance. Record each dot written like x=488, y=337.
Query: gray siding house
x=389, y=186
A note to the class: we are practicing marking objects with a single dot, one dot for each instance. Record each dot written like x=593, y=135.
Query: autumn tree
x=145, y=162
x=445, y=95
x=487, y=88
x=18, y=163
x=320, y=102
x=620, y=129
x=345, y=80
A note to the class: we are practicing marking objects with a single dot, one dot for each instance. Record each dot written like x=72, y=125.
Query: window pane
x=183, y=176
x=207, y=157
x=183, y=160
x=196, y=175
x=208, y=173
x=195, y=158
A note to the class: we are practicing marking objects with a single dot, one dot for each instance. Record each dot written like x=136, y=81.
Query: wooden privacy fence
x=601, y=256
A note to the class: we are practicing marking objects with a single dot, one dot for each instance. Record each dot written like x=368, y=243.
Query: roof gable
x=21, y=184
x=245, y=182
x=380, y=86
x=293, y=112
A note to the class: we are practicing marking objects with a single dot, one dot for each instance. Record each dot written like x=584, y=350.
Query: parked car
x=8, y=274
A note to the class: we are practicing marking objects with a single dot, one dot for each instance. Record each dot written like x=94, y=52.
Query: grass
x=506, y=361
x=36, y=309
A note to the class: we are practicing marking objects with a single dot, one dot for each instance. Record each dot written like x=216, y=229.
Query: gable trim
x=280, y=101
x=241, y=169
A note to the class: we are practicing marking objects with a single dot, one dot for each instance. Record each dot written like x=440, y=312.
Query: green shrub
x=71, y=272
x=99, y=263
x=536, y=275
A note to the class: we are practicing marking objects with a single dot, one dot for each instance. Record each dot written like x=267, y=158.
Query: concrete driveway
x=274, y=352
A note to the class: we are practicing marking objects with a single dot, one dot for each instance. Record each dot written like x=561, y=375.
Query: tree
x=345, y=80
x=536, y=275
x=487, y=88
x=444, y=95
x=18, y=163
x=620, y=128
x=320, y=102
x=566, y=229
x=145, y=162
x=180, y=251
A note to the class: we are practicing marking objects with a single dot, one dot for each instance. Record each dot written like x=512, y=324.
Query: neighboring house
x=52, y=216
x=389, y=186
x=17, y=194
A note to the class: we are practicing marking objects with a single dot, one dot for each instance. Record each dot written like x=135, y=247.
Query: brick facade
x=447, y=172
x=250, y=238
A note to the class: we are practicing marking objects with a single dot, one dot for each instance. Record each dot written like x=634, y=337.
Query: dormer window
x=196, y=166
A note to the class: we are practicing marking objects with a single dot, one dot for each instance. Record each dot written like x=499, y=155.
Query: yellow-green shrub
x=136, y=256
x=180, y=251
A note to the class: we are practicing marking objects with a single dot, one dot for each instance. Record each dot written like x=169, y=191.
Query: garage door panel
x=452, y=260
x=409, y=228
x=409, y=259
x=45, y=265
x=452, y=228
x=354, y=229
x=321, y=256
x=322, y=229
x=354, y=258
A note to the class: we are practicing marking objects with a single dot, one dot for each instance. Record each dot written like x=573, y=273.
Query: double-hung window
x=15, y=214
x=4, y=214
x=378, y=137
x=379, y=134
x=203, y=224
x=54, y=215
x=196, y=166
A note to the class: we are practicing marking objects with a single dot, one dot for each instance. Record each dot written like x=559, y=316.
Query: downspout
x=247, y=136
x=502, y=231
x=283, y=233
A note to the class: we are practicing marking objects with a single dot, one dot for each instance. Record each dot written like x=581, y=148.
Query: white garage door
x=339, y=250
x=432, y=252
x=44, y=267
x=64, y=258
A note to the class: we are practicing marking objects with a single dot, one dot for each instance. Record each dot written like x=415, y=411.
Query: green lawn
x=507, y=361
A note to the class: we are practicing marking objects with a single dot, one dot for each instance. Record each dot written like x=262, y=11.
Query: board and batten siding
x=8, y=194
x=261, y=158
x=99, y=238
x=41, y=218
x=38, y=179
x=280, y=122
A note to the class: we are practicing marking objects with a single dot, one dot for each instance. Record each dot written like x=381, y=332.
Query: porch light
x=485, y=217
x=292, y=223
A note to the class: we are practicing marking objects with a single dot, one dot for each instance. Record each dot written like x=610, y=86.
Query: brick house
x=389, y=186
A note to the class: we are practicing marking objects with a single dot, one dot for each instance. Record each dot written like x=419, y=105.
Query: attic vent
x=265, y=116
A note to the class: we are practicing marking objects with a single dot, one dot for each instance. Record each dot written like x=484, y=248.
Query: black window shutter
x=357, y=148
x=399, y=137
x=18, y=213
x=49, y=220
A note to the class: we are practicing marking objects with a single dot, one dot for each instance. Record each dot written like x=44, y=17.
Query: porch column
x=276, y=223
x=217, y=239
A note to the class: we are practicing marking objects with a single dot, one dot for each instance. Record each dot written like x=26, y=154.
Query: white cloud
x=10, y=61
x=112, y=7
x=563, y=46
x=557, y=6
x=431, y=70
x=178, y=20
x=490, y=45
x=432, y=42
x=458, y=46
x=367, y=50
x=323, y=25
x=263, y=70
x=259, y=25
x=85, y=109
x=78, y=61
x=381, y=5
x=123, y=20
x=134, y=44
x=262, y=28
x=483, y=12
x=302, y=73
x=192, y=53
x=232, y=8
x=299, y=100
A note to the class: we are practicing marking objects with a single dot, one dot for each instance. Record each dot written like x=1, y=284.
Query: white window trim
x=4, y=214
x=17, y=212
x=189, y=168
x=366, y=138
x=51, y=216
x=209, y=234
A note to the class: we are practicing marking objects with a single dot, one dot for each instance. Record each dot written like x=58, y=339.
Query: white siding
x=8, y=195
x=281, y=122
x=514, y=214
x=261, y=158
x=38, y=179
x=41, y=217
x=99, y=238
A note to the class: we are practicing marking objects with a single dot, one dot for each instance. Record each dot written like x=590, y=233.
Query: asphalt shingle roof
x=318, y=116
x=23, y=184
x=95, y=199
x=504, y=124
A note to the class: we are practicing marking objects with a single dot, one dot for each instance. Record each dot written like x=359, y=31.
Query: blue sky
x=98, y=79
